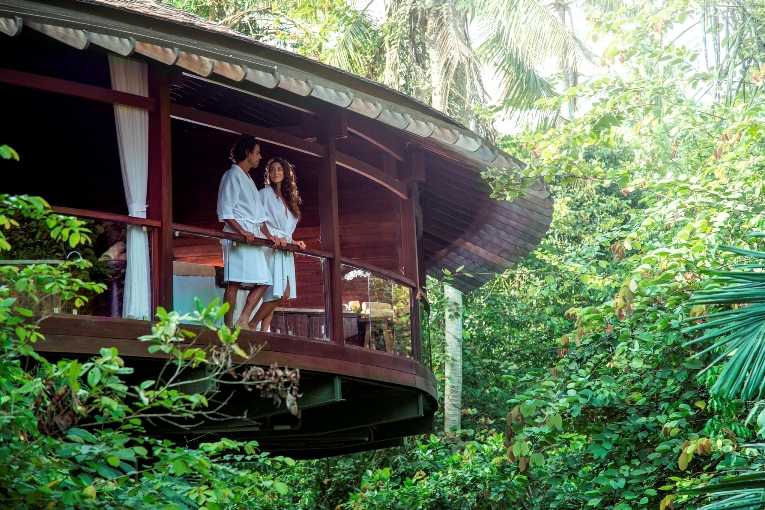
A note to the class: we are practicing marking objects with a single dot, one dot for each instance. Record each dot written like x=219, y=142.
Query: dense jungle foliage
x=583, y=386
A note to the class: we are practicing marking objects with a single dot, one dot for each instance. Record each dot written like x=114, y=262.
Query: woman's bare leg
x=229, y=296
x=266, y=312
x=266, y=323
x=252, y=301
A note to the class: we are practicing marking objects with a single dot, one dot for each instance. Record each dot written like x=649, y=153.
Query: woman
x=281, y=201
x=240, y=208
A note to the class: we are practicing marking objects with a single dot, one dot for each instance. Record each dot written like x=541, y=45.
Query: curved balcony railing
x=377, y=303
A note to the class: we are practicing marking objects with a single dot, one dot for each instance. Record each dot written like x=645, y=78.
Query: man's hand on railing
x=248, y=236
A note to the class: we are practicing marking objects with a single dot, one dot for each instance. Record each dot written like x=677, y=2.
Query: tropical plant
x=75, y=434
x=335, y=31
x=737, y=332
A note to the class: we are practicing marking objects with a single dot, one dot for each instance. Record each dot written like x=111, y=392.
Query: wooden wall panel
x=369, y=221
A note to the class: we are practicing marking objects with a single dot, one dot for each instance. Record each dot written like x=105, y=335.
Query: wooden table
x=370, y=324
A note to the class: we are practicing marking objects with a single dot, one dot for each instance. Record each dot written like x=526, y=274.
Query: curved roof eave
x=159, y=24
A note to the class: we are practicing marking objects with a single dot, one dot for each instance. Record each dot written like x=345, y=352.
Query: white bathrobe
x=238, y=199
x=281, y=223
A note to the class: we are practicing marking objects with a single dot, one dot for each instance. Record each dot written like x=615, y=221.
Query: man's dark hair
x=243, y=148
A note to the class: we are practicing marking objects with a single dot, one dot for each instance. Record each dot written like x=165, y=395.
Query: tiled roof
x=167, y=12
x=172, y=14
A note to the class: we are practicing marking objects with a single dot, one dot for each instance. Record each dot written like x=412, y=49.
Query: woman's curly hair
x=289, y=185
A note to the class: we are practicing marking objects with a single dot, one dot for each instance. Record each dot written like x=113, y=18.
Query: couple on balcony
x=271, y=213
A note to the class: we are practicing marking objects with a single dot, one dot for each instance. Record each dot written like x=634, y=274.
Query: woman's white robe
x=238, y=200
x=281, y=223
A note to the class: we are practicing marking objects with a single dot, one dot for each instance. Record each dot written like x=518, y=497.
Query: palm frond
x=357, y=41
x=740, y=491
x=460, y=69
x=535, y=30
x=738, y=334
x=521, y=85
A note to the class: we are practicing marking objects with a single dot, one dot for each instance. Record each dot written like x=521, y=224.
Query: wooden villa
x=124, y=112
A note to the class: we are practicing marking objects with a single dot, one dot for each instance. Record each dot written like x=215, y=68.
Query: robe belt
x=248, y=225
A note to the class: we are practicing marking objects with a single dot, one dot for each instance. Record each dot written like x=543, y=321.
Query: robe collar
x=234, y=165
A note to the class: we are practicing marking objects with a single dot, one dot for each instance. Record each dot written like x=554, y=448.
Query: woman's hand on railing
x=300, y=244
x=248, y=236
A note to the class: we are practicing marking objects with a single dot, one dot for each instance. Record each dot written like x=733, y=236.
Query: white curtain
x=133, y=139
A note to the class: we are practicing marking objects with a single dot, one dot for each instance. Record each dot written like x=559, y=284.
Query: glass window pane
x=376, y=312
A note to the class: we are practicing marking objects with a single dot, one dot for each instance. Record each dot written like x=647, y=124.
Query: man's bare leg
x=229, y=296
x=252, y=301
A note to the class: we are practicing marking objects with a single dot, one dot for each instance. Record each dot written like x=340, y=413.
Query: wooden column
x=161, y=188
x=310, y=125
x=408, y=248
x=333, y=126
x=411, y=172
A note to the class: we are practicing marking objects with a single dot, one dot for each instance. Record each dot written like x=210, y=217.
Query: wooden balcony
x=353, y=398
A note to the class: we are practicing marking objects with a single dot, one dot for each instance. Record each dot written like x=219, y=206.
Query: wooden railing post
x=334, y=126
x=160, y=189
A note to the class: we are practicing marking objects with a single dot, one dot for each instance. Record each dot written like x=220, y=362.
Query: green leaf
x=94, y=376
x=761, y=421
x=8, y=153
x=80, y=436
x=180, y=467
x=281, y=488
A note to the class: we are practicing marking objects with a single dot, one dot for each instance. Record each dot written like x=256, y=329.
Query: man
x=240, y=208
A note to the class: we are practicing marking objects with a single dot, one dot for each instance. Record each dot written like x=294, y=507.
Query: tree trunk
x=565, y=66
x=437, y=99
x=453, y=364
x=452, y=297
x=391, y=72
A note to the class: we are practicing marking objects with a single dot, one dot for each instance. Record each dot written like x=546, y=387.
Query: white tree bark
x=453, y=364
x=452, y=297
x=565, y=65
x=438, y=97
